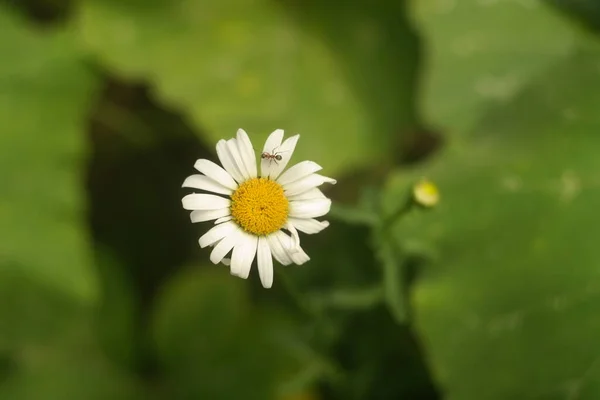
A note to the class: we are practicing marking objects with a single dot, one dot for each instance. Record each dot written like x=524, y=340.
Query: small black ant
x=275, y=156
x=271, y=157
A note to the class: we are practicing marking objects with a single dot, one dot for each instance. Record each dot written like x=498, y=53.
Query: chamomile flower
x=253, y=211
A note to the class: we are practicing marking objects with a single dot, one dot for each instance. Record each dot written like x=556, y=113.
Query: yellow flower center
x=259, y=206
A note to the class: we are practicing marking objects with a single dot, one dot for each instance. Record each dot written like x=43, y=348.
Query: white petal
x=226, y=261
x=295, y=236
x=228, y=217
x=237, y=158
x=217, y=233
x=311, y=194
x=265, y=262
x=216, y=173
x=277, y=249
x=225, y=246
x=227, y=160
x=296, y=254
x=198, y=201
x=208, y=215
x=299, y=256
x=298, y=171
x=309, y=208
x=243, y=255
x=308, y=225
x=203, y=182
x=272, y=142
x=247, y=152
x=307, y=183
x=285, y=151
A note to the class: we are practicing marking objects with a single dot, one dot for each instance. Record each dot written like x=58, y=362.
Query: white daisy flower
x=252, y=211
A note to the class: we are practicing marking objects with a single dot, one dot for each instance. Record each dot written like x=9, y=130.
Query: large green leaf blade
x=49, y=348
x=509, y=308
x=44, y=93
x=482, y=52
x=207, y=332
x=253, y=65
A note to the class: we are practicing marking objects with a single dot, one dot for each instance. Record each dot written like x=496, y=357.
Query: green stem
x=403, y=209
x=352, y=215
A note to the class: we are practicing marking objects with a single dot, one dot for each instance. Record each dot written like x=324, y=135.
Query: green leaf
x=208, y=335
x=48, y=348
x=44, y=93
x=32, y=313
x=482, y=52
x=353, y=299
x=353, y=215
x=117, y=310
x=59, y=377
x=252, y=64
x=394, y=287
x=509, y=310
x=359, y=33
x=195, y=300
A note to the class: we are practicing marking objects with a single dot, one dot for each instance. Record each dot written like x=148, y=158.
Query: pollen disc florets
x=259, y=206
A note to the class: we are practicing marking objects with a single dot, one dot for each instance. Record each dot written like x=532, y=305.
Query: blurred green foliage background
x=106, y=104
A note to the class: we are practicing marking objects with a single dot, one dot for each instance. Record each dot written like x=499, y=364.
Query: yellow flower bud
x=426, y=194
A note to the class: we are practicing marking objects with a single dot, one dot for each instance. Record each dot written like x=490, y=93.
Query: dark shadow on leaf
x=382, y=361
x=140, y=155
x=43, y=12
x=585, y=12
